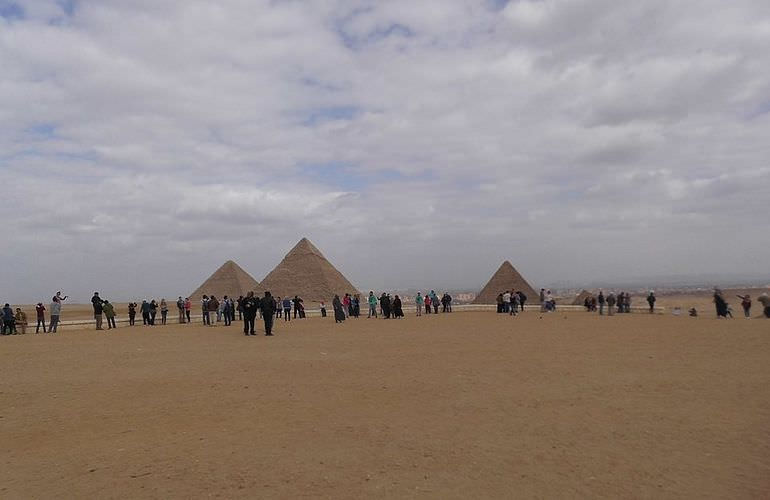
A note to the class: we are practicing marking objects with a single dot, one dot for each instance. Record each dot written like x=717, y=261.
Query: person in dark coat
x=651, y=301
x=131, y=313
x=97, y=303
x=720, y=303
x=385, y=304
x=398, y=311
x=268, y=310
x=249, y=312
x=339, y=312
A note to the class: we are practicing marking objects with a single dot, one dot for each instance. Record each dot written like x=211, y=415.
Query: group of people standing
x=724, y=310
x=14, y=323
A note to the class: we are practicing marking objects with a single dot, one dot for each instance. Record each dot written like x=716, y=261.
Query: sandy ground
x=468, y=405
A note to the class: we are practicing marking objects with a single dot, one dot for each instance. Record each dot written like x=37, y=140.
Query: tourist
x=131, y=313
x=506, y=301
x=268, y=306
x=611, y=301
x=21, y=320
x=765, y=301
x=444, y=303
x=205, y=310
x=398, y=311
x=514, y=304
x=249, y=307
x=278, y=309
x=522, y=299
x=372, y=300
x=692, y=312
x=721, y=304
x=499, y=300
x=56, y=302
x=145, y=310
x=163, y=311
x=651, y=301
x=346, y=305
x=180, y=309
x=601, y=301
x=187, y=308
x=620, y=299
x=419, y=301
x=434, y=302
x=426, y=301
x=239, y=307
x=40, y=310
x=297, y=303
x=550, y=302
x=339, y=313
x=109, y=313
x=213, y=306
x=356, y=305
x=542, y=300
x=286, y=309
x=9, y=321
x=153, y=311
x=322, y=305
x=226, y=310
x=385, y=305
x=96, y=302
x=745, y=304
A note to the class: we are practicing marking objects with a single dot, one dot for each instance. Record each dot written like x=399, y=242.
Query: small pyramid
x=230, y=279
x=506, y=278
x=580, y=299
x=306, y=272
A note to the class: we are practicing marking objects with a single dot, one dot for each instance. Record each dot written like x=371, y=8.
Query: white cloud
x=169, y=136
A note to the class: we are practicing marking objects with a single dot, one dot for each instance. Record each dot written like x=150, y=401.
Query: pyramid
x=306, y=272
x=506, y=278
x=580, y=299
x=230, y=279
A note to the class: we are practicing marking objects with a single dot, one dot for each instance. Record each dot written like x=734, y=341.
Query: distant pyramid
x=230, y=279
x=580, y=299
x=506, y=278
x=306, y=272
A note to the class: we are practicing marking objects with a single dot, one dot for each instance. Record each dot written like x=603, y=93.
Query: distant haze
x=417, y=144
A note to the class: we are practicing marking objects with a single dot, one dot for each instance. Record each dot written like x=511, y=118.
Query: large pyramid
x=306, y=272
x=506, y=278
x=230, y=279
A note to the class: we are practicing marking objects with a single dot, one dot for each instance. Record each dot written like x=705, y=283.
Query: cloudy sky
x=143, y=143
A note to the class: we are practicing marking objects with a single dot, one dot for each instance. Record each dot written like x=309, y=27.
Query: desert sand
x=467, y=405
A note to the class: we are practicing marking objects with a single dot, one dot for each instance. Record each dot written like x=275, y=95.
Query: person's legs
x=268, y=324
x=54, y=324
x=98, y=318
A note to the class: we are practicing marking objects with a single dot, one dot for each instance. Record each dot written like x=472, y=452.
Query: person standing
x=40, y=310
x=187, y=308
x=239, y=307
x=153, y=311
x=131, y=313
x=372, y=300
x=346, y=305
x=226, y=310
x=322, y=304
x=385, y=305
x=21, y=320
x=145, y=310
x=9, y=320
x=96, y=302
x=419, y=302
x=426, y=301
x=297, y=306
x=611, y=304
x=109, y=313
x=745, y=304
x=651, y=301
x=213, y=305
x=337, y=305
x=268, y=309
x=163, y=311
x=721, y=304
x=249, y=311
x=398, y=310
x=522, y=300
x=601, y=300
x=56, y=311
x=180, y=309
x=278, y=309
x=286, y=309
x=542, y=300
x=434, y=301
x=507, y=301
x=205, y=310
x=514, y=304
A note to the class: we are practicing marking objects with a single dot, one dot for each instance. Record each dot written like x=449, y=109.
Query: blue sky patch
x=11, y=10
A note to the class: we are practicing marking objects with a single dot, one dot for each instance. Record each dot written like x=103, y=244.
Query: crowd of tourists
x=215, y=311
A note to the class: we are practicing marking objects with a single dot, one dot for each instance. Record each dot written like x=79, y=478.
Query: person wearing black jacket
x=249, y=307
x=268, y=311
x=97, y=303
